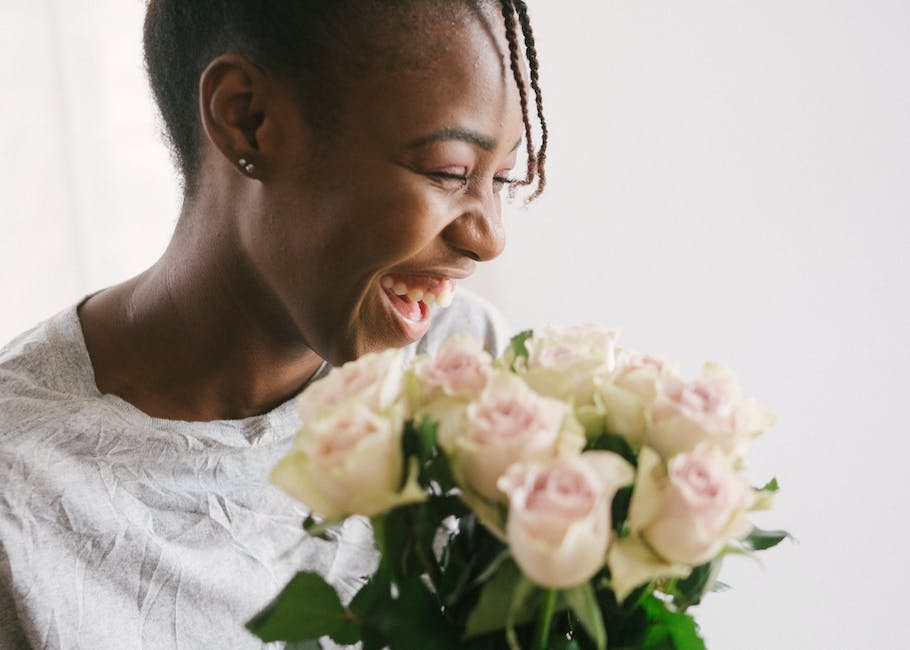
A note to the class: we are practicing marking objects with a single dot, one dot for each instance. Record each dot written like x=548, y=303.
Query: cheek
x=394, y=228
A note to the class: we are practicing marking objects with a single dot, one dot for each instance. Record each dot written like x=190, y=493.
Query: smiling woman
x=343, y=165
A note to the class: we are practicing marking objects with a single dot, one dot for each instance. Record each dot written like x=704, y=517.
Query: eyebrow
x=473, y=137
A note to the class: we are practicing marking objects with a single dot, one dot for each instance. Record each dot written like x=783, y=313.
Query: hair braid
x=534, y=68
x=508, y=9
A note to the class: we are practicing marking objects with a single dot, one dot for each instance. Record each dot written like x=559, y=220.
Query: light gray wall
x=728, y=180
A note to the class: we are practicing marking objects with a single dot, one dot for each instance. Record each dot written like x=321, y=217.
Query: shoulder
x=470, y=314
x=45, y=380
x=50, y=355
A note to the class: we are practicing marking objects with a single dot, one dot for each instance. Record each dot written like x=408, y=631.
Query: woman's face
x=403, y=197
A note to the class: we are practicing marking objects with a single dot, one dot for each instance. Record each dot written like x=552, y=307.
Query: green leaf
x=615, y=443
x=770, y=486
x=468, y=554
x=562, y=642
x=669, y=630
x=492, y=609
x=759, y=540
x=307, y=608
x=398, y=548
x=309, y=644
x=377, y=589
x=619, y=510
x=519, y=609
x=583, y=601
x=688, y=591
x=316, y=528
x=407, y=536
x=412, y=620
x=419, y=438
x=516, y=349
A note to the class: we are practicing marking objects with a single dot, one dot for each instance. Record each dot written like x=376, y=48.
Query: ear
x=232, y=100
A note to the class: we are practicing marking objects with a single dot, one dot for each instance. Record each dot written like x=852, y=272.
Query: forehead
x=433, y=71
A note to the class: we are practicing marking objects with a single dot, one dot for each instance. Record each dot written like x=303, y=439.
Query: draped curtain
x=89, y=194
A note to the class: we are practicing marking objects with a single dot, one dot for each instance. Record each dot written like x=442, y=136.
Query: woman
x=343, y=163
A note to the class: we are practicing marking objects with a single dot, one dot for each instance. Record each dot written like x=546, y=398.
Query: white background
x=728, y=179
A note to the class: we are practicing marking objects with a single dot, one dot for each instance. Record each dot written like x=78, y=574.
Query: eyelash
x=502, y=180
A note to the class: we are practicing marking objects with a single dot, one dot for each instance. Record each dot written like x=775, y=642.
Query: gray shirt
x=121, y=530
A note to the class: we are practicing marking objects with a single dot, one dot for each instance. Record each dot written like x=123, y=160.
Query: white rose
x=709, y=409
x=688, y=509
x=507, y=423
x=630, y=391
x=348, y=461
x=558, y=526
x=563, y=362
x=375, y=379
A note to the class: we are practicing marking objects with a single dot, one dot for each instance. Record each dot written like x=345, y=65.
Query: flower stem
x=542, y=633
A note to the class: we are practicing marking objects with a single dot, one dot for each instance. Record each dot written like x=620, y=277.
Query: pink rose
x=688, y=509
x=562, y=347
x=564, y=362
x=629, y=392
x=349, y=461
x=507, y=423
x=709, y=409
x=375, y=379
x=558, y=526
x=460, y=367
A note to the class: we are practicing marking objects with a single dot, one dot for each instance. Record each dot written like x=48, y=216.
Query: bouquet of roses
x=570, y=494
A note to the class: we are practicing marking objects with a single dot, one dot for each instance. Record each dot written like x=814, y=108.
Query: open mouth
x=412, y=296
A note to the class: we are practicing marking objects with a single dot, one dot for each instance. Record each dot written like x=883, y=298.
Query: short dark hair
x=298, y=38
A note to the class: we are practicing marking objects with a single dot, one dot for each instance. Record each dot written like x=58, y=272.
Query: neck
x=195, y=337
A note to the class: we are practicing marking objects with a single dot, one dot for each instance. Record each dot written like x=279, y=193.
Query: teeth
x=444, y=299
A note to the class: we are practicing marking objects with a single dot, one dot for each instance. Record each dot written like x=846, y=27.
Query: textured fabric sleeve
x=470, y=314
x=11, y=635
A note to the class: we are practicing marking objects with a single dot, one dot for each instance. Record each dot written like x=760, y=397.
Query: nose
x=478, y=233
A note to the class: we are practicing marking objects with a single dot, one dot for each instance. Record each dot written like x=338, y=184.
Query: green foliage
x=520, y=607
x=467, y=555
x=619, y=510
x=689, y=591
x=492, y=609
x=668, y=630
x=759, y=540
x=445, y=581
x=516, y=349
x=562, y=642
x=309, y=644
x=582, y=600
x=318, y=528
x=419, y=441
x=377, y=588
x=407, y=534
x=410, y=620
x=615, y=443
x=307, y=608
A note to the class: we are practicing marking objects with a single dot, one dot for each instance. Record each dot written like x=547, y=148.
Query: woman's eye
x=501, y=181
x=450, y=176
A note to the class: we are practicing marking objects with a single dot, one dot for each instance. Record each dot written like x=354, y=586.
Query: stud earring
x=246, y=165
